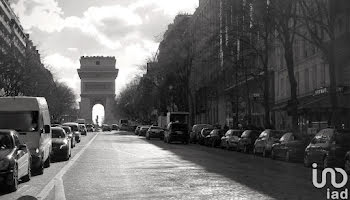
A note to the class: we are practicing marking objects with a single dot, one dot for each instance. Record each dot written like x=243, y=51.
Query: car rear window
x=276, y=134
x=180, y=127
x=57, y=133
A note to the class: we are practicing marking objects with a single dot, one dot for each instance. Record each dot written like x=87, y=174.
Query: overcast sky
x=64, y=30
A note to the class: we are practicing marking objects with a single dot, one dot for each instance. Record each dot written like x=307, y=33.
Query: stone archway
x=97, y=75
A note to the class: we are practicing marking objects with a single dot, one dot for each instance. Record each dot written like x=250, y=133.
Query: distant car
x=69, y=132
x=203, y=134
x=90, y=128
x=246, y=143
x=328, y=148
x=15, y=160
x=137, y=130
x=155, y=132
x=213, y=139
x=347, y=162
x=290, y=147
x=82, y=129
x=75, y=129
x=231, y=139
x=106, y=127
x=61, y=145
x=115, y=127
x=196, y=130
x=143, y=130
x=177, y=132
x=265, y=141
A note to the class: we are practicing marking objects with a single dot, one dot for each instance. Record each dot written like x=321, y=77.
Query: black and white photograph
x=174, y=99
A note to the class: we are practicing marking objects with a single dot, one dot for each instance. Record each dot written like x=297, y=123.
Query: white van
x=30, y=117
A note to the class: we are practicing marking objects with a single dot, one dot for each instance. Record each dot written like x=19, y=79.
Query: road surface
x=120, y=165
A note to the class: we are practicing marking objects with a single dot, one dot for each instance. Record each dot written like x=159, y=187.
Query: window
x=306, y=79
x=298, y=81
x=314, y=76
x=322, y=75
x=17, y=143
x=98, y=62
x=282, y=87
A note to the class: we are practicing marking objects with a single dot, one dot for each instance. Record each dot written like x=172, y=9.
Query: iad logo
x=331, y=194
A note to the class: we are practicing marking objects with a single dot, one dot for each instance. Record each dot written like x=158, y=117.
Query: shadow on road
x=277, y=179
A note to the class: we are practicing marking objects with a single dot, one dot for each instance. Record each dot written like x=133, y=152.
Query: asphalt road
x=120, y=165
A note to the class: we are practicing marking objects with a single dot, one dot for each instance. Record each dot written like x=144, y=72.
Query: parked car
x=115, y=127
x=155, y=132
x=137, y=130
x=204, y=133
x=69, y=132
x=75, y=128
x=15, y=160
x=213, y=139
x=347, y=162
x=231, y=138
x=82, y=129
x=90, y=128
x=143, y=130
x=177, y=132
x=265, y=141
x=196, y=131
x=290, y=147
x=106, y=127
x=246, y=143
x=328, y=148
x=61, y=146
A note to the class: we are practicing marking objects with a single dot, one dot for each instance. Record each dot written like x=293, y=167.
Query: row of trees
x=248, y=30
x=27, y=76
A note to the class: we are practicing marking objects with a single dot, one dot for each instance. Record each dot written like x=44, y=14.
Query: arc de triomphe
x=97, y=75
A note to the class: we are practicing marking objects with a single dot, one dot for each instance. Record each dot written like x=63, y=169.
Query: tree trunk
x=293, y=103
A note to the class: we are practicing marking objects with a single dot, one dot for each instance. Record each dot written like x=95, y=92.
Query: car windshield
x=67, y=129
x=156, y=128
x=19, y=121
x=276, y=134
x=57, y=133
x=5, y=141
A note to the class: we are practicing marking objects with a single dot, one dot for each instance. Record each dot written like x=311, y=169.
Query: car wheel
x=13, y=186
x=27, y=177
x=47, y=162
x=273, y=154
x=347, y=165
x=325, y=162
x=287, y=158
x=307, y=162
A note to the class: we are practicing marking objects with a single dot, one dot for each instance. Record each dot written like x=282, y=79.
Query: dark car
x=75, y=129
x=69, y=132
x=15, y=160
x=106, y=127
x=143, y=130
x=231, y=138
x=204, y=133
x=61, y=146
x=214, y=138
x=246, y=143
x=82, y=129
x=196, y=130
x=155, y=132
x=265, y=141
x=90, y=128
x=115, y=127
x=328, y=148
x=290, y=147
x=347, y=162
x=177, y=132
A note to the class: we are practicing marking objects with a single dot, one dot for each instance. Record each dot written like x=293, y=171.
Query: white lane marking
x=59, y=190
x=45, y=192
